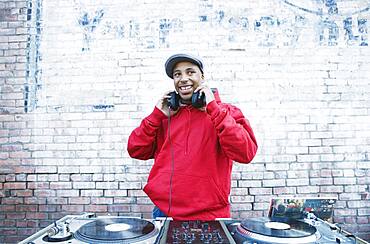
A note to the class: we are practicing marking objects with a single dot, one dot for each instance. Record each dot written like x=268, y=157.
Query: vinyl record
x=278, y=227
x=110, y=230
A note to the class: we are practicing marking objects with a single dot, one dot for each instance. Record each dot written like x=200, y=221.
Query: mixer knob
x=219, y=238
x=201, y=236
x=185, y=225
x=205, y=226
x=175, y=239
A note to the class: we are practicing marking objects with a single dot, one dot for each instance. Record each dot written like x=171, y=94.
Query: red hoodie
x=204, y=144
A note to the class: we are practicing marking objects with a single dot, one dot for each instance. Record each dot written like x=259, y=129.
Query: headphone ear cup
x=174, y=101
x=198, y=100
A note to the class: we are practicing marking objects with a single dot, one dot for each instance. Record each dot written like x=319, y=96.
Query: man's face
x=186, y=77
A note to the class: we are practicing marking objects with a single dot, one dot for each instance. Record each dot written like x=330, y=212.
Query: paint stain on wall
x=164, y=30
x=33, y=56
x=88, y=22
x=331, y=23
x=333, y=19
x=356, y=31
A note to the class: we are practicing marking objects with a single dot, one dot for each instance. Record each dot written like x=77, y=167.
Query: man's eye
x=176, y=75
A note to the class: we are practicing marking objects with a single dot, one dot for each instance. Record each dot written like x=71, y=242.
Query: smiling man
x=193, y=146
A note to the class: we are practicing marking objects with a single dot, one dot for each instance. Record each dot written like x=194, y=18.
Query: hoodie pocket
x=190, y=194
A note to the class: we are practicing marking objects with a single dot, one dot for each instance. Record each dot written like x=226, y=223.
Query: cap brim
x=174, y=59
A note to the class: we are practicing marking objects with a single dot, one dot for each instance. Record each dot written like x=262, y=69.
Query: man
x=193, y=148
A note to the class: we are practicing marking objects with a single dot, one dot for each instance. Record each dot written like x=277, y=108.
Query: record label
x=117, y=227
x=277, y=225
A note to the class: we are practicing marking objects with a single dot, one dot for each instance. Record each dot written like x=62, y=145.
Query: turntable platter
x=276, y=230
x=272, y=227
x=116, y=230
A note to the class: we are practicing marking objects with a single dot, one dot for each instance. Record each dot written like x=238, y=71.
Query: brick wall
x=77, y=77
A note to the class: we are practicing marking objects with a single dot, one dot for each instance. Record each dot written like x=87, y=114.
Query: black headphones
x=198, y=100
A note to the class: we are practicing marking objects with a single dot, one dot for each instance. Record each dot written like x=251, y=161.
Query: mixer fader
x=195, y=232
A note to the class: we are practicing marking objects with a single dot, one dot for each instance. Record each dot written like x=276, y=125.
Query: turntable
x=275, y=230
x=293, y=220
x=116, y=230
x=270, y=230
x=106, y=229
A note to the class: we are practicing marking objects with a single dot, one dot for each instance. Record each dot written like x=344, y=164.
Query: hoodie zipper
x=187, y=129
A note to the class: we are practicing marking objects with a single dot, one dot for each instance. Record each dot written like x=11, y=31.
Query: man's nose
x=184, y=79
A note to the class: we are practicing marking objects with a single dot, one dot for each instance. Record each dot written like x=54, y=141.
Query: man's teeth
x=184, y=88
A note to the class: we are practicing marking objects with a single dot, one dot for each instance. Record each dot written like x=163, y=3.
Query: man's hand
x=163, y=105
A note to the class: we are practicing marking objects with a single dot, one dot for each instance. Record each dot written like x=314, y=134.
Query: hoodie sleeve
x=142, y=141
x=235, y=134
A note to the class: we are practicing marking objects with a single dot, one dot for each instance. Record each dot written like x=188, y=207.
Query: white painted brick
x=297, y=182
x=307, y=189
x=130, y=185
x=241, y=199
x=278, y=165
x=348, y=173
x=298, y=135
x=298, y=174
x=345, y=181
x=261, y=206
x=343, y=134
x=42, y=139
x=331, y=157
x=90, y=138
x=322, y=134
x=320, y=150
x=42, y=154
x=249, y=183
x=273, y=183
x=344, y=149
x=55, y=147
x=110, y=154
x=87, y=131
x=308, y=158
x=260, y=191
x=64, y=139
x=107, y=185
x=333, y=142
x=284, y=190
x=330, y=189
x=257, y=174
x=310, y=142
x=268, y=175
x=111, y=138
x=351, y=197
x=86, y=154
x=297, y=150
x=363, y=165
x=354, y=188
x=81, y=123
x=91, y=169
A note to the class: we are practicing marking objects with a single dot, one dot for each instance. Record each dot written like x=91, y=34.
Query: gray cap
x=174, y=59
